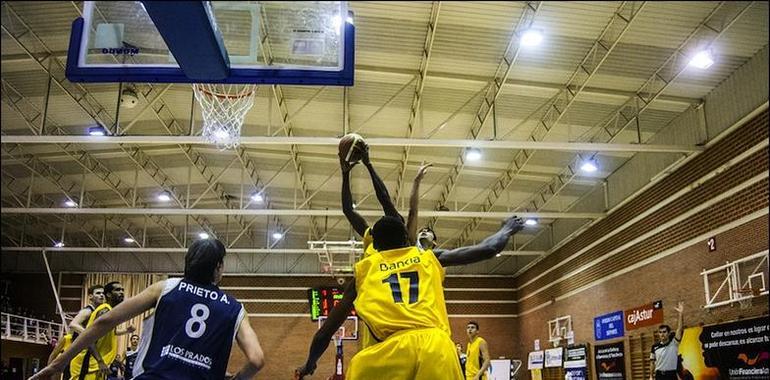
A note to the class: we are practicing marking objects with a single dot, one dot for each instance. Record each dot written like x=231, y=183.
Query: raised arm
x=486, y=249
x=679, y=325
x=322, y=337
x=379, y=188
x=121, y=313
x=355, y=219
x=77, y=324
x=414, y=203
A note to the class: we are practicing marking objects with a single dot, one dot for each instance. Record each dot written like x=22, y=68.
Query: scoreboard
x=322, y=300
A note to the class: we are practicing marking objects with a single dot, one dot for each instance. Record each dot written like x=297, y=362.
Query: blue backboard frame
x=344, y=77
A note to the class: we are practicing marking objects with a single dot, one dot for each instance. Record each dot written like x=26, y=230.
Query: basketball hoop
x=745, y=296
x=224, y=108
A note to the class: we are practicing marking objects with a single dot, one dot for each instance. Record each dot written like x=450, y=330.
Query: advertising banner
x=535, y=360
x=735, y=350
x=646, y=315
x=610, y=361
x=575, y=362
x=608, y=326
x=553, y=357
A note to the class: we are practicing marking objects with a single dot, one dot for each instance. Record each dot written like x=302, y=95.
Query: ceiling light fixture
x=164, y=196
x=531, y=37
x=203, y=235
x=473, y=154
x=589, y=166
x=97, y=131
x=70, y=203
x=257, y=197
x=531, y=222
x=277, y=235
x=702, y=60
x=128, y=240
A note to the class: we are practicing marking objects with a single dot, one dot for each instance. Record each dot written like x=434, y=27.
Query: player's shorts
x=419, y=354
x=89, y=376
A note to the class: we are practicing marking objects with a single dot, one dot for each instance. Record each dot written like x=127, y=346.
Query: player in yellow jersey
x=399, y=295
x=93, y=364
x=477, y=354
x=357, y=221
x=62, y=345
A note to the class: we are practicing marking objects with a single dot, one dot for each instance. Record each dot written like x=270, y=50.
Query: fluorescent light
x=531, y=37
x=703, y=60
x=498, y=255
x=257, y=197
x=531, y=222
x=277, y=235
x=164, y=196
x=59, y=244
x=589, y=166
x=203, y=235
x=97, y=131
x=70, y=203
x=128, y=240
x=472, y=154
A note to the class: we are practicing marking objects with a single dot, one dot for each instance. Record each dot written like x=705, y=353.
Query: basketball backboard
x=254, y=42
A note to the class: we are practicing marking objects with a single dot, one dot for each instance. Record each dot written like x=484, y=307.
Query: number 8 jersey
x=401, y=289
x=190, y=334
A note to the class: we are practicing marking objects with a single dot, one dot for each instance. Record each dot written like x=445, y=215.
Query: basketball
x=351, y=147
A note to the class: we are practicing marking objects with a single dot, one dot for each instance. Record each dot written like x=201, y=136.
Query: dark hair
x=667, y=327
x=110, y=286
x=427, y=228
x=92, y=289
x=389, y=233
x=474, y=323
x=202, y=259
x=132, y=336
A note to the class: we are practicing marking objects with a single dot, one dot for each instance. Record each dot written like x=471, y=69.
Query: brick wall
x=671, y=278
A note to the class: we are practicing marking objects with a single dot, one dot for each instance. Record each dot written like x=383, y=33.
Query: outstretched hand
x=423, y=169
x=515, y=223
x=365, y=155
x=302, y=371
x=346, y=166
x=679, y=307
x=47, y=373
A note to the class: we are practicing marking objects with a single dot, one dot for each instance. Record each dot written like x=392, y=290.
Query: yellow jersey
x=474, y=358
x=401, y=289
x=106, y=345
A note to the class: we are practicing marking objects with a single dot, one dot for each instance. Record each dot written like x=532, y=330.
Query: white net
x=224, y=107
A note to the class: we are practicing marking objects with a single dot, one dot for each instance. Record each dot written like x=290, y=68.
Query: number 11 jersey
x=191, y=333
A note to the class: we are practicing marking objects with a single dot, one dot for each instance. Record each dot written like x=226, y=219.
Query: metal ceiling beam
x=401, y=74
x=716, y=23
x=608, y=39
x=333, y=141
x=295, y=212
x=427, y=49
x=50, y=173
x=490, y=96
x=83, y=158
x=708, y=31
x=88, y=103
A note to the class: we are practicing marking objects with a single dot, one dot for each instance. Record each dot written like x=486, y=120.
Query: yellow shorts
x=89, y=376
x=420, y=354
